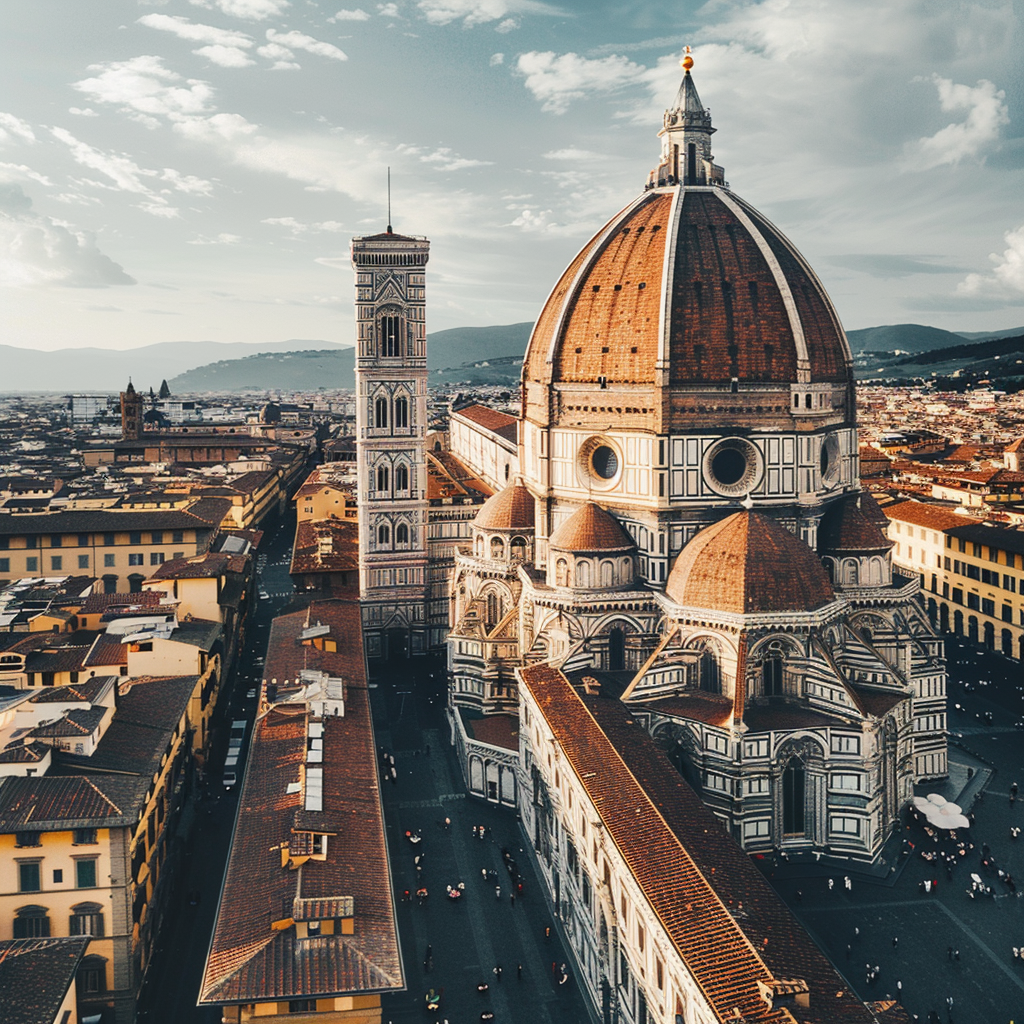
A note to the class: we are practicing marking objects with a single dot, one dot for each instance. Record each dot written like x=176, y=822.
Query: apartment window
x=5, y=565
x=56, y=540
x=92, y=976
x=56, y=562
x=135, y=537
x=29, y=876
x=958, y=596
x=58, y=876
x=84, y=837
x=758, y=784
x=108, y=540
x=993, y=554
x=135, y=558
x=83, y=540
x=32, y=564
x=110, y=584
x=178, y=554
x=83, y=561
x=974, y=602
x=31, y=923
x=988, y=606
x=755, y=829
x=156, y=558
x=5, y=543
x=32, y=542
x=301, y=1005
x=85, y=874
x=157, y=537
x=109, y=561
x=86, y=919
x=28, y=838
x=1007, y=613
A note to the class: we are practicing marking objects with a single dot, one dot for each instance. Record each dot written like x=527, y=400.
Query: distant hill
x=476, y=355
x=1012, y=332
x=971, y=352
x=901, y=337
x=103, y=369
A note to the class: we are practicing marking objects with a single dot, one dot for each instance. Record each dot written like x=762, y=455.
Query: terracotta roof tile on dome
x=854, y=523
x=509, y=509
x=749, y=564
x=591, y=528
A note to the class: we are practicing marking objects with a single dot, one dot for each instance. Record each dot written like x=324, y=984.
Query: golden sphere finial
x=687, y=62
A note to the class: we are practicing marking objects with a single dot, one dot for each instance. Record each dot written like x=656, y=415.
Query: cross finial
x=687, y=62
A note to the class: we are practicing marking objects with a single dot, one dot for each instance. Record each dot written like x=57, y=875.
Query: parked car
x=230, y=779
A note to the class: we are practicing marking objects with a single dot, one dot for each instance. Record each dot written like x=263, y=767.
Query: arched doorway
x=944, y=618
x=990, y=636
x=396, y=644
x=972, y=629
x=958, y=622
x=616, y=650
x=794, y=788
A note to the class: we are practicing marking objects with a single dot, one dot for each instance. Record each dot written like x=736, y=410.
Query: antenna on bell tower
x=389, y=201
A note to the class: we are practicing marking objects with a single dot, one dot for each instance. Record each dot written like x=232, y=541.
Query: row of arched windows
x=396, y=413
x=401, y=476
x=401, y=534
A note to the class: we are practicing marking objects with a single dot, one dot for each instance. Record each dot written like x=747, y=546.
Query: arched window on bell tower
x=390, y=333
x=401, y=478
x=383, y=535
x=383, y=475
x=380, y=412
x=401, y=411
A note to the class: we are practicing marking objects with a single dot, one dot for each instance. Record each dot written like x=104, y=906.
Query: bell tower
x=391, y=426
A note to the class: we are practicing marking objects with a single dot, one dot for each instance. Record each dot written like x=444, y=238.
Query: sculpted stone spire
x=685, y=135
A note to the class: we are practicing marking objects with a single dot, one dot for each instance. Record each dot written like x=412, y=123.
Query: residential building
x=40, y=979
x=309, y=842
x=486, y=441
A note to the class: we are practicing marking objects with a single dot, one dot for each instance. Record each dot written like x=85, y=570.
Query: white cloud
x=159, y=208
x=222, y=239
x=21, y=172
x=388, y=10
x=508, y=25
x=350, y=15
x=574, y=154
x=558, y=80
x=496, y=59
x=479, y=12
x=225, y=56
x=83, y=111
x=251, y=10
x=300, y=41
x=142, y=85
x=12, y=128
x=986, y=114
x=38, y=251
x=443, y=158
x=297, y=227
x=280, y=55
x=1007, y=277
x=196, y=32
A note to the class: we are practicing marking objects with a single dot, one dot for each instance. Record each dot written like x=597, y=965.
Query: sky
x=194, y=170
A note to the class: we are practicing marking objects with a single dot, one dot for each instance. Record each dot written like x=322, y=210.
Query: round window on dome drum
x=605, y=462
x=732, y=467
x=599, y=463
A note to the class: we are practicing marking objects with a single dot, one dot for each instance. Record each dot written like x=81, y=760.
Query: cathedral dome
x=590, y=528
x=854, y=525
x=508, y=509
x=689, y=288
x=749, y=564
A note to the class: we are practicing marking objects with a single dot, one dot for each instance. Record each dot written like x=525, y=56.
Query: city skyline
x=194, y=171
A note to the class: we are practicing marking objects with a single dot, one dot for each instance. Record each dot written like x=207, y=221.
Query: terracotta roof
x=918, y=513
x=326, y=545
x=102, y=602
x=591, y=528
x=697, y=705
x=727, y=924
x=854, y=523
x=35, y=975
x=509, y=509
x=205, y=566
x=726, y=316
x=204, y=514
x=66, y=801
x=878, y=702
x=248, y=960
x=747, y=564
x=490, y=419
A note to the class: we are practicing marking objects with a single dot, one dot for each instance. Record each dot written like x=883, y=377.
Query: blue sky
x=194, y=169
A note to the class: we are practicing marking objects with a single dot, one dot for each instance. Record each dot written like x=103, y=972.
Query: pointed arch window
x=402, y=411
x=380, y=417
x=401, y=477
x=493, y=609
x=383, y=478
x=383, y=534
x=771, y=676
x=794, y=784
x=391, y=335
x=402, y=535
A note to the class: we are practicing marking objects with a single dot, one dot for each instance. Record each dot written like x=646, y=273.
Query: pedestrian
x=856, y=931
x=447, y=824
x=831, y=884
x=428, y=750
x=497, y=892
x=547, y=933
x=799, y=896
x=956, y=955
x=405, y=895
x=895, y=941
x=847, y=883
x=949, y=954
x=849, y=949
x=497, y=971
x=1013, y=793
x=512, y=898
x=899, y=991
x=483, y=873
x=519, y=972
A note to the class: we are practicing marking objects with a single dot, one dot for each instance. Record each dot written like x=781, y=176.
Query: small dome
x=509, y=509
x=747, y=564
x=854, y=524
x=591, y=528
